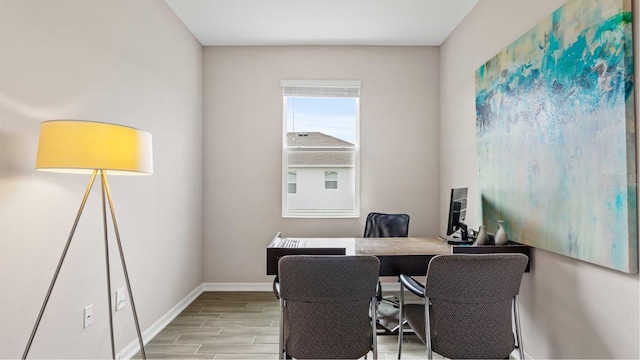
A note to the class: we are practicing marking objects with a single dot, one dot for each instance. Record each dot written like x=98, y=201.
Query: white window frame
x=326, y=181
x=321, y=213
x=294, y=182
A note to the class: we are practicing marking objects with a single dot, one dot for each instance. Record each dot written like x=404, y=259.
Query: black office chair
x=468, y=305
x=327, y=306
x=382, y=225
x=386, y=225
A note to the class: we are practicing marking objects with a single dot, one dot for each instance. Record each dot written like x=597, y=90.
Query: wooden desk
x=397, y=255
x=409, y=256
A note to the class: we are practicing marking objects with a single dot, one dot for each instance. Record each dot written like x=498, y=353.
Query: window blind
x=334, y=89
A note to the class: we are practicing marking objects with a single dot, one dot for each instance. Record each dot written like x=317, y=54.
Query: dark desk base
x=274, y=255
x=393, y=261
x=512, y=247
x=413, y=265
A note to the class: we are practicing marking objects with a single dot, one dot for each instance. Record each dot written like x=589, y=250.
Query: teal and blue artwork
x=556, y=135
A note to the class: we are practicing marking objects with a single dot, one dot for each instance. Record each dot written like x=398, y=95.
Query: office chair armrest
x=411, y=284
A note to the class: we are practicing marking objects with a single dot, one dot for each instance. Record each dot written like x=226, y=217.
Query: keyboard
x=291, y=243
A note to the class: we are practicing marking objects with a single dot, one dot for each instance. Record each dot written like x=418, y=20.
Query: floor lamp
x=88, y=147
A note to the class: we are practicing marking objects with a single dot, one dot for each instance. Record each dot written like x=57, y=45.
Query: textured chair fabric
x=471, y=300
x=326, y=303
x=386, y=225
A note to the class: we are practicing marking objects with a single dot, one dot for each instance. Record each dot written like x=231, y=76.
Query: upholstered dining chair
x=470, y=306
x=327, y=306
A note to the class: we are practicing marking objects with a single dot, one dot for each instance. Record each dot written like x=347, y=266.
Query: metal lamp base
x=106, y=197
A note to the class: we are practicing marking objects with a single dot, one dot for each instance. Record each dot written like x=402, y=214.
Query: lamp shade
x=78, y=146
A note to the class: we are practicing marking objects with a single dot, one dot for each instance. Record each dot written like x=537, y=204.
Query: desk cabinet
x=511, y=247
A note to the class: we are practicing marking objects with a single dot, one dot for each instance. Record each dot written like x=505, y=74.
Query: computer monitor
x=457, y=214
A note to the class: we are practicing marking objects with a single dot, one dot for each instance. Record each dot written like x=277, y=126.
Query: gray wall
x=243, y=145
x=127, y=62
x=570, y=308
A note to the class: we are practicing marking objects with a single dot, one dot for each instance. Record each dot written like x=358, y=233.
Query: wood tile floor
x=241, y=325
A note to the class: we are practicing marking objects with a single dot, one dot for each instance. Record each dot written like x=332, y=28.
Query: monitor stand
x=452, y=240
x=462, y=239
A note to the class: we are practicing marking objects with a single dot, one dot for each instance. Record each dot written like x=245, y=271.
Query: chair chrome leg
x=400, y=320
x=374, y=332
x=427, y=328
x=516, y=318
x=276, y=287
x=281, y=335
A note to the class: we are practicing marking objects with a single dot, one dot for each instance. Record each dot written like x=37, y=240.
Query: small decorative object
x=501, y=235
x=482, y=238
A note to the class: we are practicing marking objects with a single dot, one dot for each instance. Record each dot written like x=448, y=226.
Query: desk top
x=405, y=255
x=402, y=246
x=375, y=246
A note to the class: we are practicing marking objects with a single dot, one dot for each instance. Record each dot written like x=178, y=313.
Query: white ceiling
x=321, y=22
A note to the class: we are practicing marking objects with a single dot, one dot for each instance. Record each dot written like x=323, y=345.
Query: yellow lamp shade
x=79, y=146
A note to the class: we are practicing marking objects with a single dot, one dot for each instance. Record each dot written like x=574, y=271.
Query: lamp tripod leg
x=124, y=265
x=106, y=254
x=57, y=272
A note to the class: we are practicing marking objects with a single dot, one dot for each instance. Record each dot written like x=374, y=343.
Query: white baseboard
x=269, y=286
x=390, y=286
x=130, y=350
x=237, y=286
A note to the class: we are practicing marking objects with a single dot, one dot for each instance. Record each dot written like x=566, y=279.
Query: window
x=291, y=182
x=320, y=146
x=330, y=180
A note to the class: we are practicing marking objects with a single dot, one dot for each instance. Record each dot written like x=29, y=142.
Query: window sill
x=302, y=214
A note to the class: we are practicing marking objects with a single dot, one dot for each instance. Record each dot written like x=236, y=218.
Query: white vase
x=482, y=238
x=501, y=235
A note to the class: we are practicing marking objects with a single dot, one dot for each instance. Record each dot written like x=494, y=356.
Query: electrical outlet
x=120, y=301
x=88, y=316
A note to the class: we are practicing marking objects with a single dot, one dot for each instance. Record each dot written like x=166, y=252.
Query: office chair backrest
x=471, y=297
x=327, y=301
x=386, y=225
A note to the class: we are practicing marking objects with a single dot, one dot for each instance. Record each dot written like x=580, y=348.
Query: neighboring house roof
x=318, y=158
x=314, y=139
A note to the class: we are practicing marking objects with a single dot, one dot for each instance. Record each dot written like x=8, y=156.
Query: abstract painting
x=555, y=130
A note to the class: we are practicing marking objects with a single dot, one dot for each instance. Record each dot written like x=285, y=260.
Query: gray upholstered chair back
x=326, y=301
x=471, y=303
